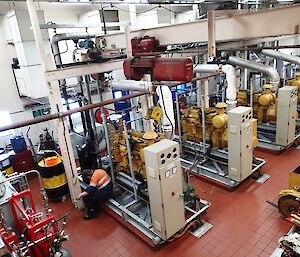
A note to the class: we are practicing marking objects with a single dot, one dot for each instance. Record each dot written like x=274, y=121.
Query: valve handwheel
x=98, y=115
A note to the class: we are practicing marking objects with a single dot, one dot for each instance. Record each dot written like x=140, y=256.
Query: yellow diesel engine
x=216, y=123
x=219, y=137
x=296, y=83
x=242, y=98
x=265, y=105
x=138, y=141
x=191, y=124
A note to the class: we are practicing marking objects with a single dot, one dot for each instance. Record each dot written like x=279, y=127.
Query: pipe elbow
x=229, y=71
x=56, y=38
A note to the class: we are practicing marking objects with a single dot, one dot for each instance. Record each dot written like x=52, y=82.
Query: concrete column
x=132, y=10
x=211, y=34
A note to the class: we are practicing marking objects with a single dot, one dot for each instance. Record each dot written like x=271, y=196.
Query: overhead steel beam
x=82, y=70
x=228, y=28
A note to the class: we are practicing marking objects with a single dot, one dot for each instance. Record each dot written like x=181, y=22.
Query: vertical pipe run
x=211, y=34
x=108, y=149
x=130, y=159
x=251, y=96
x=203, y=124
x=178, y=122
x=91, y=112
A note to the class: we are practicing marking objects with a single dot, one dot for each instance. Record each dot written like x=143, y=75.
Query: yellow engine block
x=264, y=104
x=242, y=98
x=138, y=140
x=216, y=123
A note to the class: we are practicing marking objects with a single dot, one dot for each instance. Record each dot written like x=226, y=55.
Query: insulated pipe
x=166, y=102
x=65, y=36
x=207, y=68
x=131, y=85
x=230, y=73
x=267, y=70
x=281, y=56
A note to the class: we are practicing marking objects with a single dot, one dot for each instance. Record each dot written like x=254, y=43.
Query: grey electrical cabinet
x=240, y=143
x=286, y=115
x=165, y=186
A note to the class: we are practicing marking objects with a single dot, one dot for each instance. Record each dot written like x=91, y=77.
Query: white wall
x=9, y=98
x=147, y=20
x=186, y=16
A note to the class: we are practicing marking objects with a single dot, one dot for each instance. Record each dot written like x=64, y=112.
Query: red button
x=173, y=193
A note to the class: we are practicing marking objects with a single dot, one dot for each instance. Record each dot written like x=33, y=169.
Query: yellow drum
x=54, y=177
x=5, y=164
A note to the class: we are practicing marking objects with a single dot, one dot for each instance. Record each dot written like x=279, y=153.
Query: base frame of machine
x=266, y=134
x=214, y=166
x=136, y=212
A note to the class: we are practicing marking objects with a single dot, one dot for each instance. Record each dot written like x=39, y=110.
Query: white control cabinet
x=165, y=186
x=240, y=143
x=286, y=115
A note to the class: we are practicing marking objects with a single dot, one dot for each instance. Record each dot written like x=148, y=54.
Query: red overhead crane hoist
x=147, y=60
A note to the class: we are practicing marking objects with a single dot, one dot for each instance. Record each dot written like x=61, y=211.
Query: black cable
x=63, y=51
x=163, y=103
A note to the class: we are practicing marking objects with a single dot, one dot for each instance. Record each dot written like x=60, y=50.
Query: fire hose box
x=294, y=178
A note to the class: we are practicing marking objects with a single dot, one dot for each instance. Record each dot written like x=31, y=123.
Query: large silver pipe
x=273, y=75
x=65, y=36
x=207, y=68
x=131, y=85
x=281, y=56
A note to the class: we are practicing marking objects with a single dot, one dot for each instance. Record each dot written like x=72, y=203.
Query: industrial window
x=118, y=94
x=5, y=120
x=76, y=117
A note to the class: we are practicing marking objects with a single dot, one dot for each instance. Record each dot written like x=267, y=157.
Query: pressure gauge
x=2, y=189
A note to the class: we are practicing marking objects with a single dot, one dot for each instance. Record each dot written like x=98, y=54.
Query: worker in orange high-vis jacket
x=99, y=190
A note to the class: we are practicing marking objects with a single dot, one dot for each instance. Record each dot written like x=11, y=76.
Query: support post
x=130, y=159
x=61, y=126
x=128, y=42
x=132, y=10
x=178, y=123
x=108, y=149
x=211, y=34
